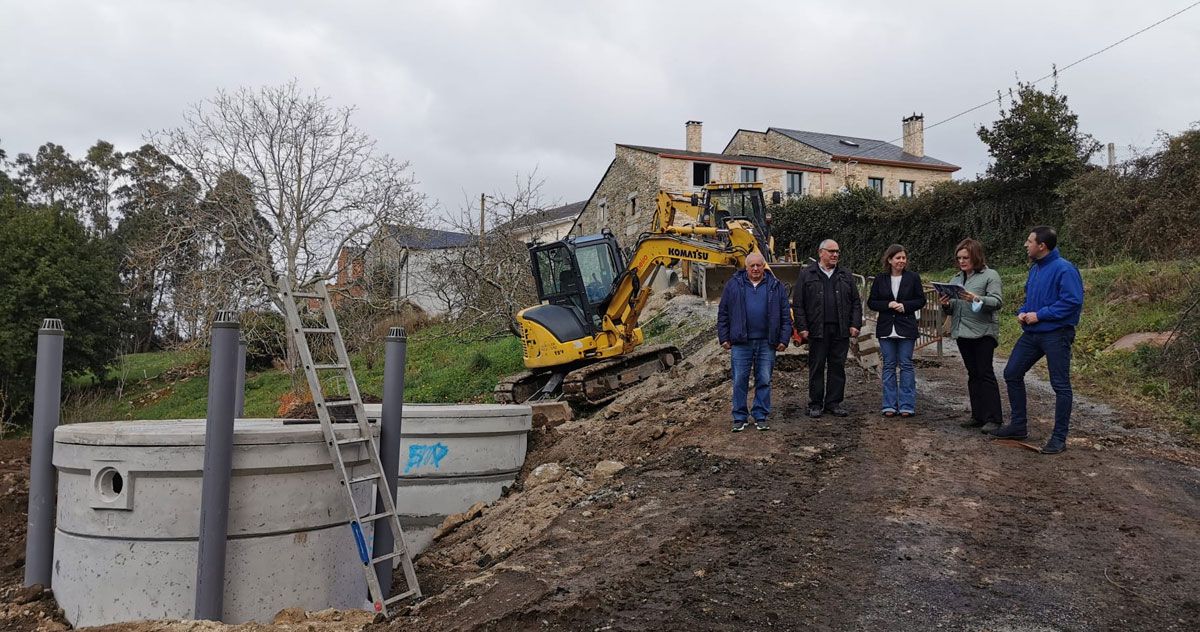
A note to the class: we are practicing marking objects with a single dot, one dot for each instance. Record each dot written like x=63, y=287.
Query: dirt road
x=861, y=523
x=832, y=524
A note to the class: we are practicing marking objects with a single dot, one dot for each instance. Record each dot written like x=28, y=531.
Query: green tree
x=50, y=267
x=1036, y=145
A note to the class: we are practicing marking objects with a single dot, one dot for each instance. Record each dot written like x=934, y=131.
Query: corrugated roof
x=853, y=147
x=752, y=161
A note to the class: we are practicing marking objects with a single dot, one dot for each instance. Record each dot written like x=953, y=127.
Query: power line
x=1052, y=73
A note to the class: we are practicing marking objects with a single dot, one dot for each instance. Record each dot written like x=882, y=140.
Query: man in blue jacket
x=754, y=321
x=1053, y=301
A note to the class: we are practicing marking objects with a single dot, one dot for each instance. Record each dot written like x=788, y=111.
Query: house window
x=749, y=174
x=877, y=184
x=907, y=187
x=700, y=173
x=795, y=182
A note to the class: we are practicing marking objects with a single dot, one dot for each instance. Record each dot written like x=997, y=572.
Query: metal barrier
x=929, y=324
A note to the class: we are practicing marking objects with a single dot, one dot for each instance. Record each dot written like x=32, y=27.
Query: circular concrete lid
x=190, y=432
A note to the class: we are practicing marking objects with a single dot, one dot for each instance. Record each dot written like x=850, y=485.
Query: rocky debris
x=454, y=521
x=544, y=473
x=607, y=469
x=551, y=414
x=1131, y=342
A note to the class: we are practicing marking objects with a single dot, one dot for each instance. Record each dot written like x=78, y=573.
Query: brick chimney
x=693, y=135
x=914, y=135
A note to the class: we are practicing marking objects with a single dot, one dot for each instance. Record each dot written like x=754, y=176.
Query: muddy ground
x=861, y=523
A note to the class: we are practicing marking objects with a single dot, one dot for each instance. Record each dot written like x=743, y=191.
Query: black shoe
x=814, y=411
x=989, y=427
x=1010, y=432
x=838, y=411
x=761, y=424
x=972, y=423
x=1054, y=446
x=739, y=426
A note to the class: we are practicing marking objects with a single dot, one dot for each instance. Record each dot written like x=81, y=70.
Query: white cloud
x=471, y=93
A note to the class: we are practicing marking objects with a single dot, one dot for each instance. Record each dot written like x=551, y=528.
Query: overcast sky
x=473, y=93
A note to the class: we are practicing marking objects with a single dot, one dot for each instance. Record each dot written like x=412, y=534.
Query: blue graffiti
x=420, y=455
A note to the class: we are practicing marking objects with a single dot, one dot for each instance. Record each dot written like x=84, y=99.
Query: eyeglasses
x=832, y=252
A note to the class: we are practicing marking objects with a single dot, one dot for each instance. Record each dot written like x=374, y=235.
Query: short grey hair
x=755, y=255
x=824, y=243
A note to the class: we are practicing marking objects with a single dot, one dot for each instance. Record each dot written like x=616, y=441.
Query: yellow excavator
x=583, y=341
x=713, y=205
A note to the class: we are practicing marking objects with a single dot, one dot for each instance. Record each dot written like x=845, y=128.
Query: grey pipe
x=239, y=404
x=396, y=351
x=218, y=466
x=47, y=399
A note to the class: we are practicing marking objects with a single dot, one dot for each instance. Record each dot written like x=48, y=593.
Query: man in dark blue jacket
x=754, y=321
x=1053, y=301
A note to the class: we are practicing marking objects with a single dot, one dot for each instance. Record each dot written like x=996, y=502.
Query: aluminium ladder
x=363, y=439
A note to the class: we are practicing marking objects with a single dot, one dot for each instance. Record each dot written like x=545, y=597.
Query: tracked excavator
x=583, y=341
x=711, y=206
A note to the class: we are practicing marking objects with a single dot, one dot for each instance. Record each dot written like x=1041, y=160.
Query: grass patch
x=174, y=385
x=1119, y=299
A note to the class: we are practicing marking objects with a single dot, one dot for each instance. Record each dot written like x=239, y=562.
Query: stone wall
x=856, y=174
x=624, y=200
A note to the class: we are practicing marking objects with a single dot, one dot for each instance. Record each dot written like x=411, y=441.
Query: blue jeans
x=1031, y=346
x=897, y=353
x=758, y=355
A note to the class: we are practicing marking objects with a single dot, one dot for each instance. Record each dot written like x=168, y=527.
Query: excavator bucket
x=711, y=280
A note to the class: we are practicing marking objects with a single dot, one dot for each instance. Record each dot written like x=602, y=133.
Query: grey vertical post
x=47, y=399
x=389, y=445
x=218, y=467
x=239, y=403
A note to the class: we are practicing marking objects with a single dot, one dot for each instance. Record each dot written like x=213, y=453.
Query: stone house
x=543, y=226
x=792, y=162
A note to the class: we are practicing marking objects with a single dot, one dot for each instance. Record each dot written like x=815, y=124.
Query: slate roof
x=862, y=149
x=751, y=161
x=427, y=238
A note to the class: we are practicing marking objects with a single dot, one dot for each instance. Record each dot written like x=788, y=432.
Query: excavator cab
x=738, y=201
x=577, y=275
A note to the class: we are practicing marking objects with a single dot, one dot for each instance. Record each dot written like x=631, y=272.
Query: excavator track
x=600, y=383
x=594, y=384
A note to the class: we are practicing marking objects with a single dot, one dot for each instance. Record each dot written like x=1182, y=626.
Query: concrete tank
x=453, y=456
x=129, y=513
x=129, y=509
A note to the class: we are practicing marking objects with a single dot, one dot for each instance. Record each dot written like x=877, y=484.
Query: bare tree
x=287, y=181
x=486, y=285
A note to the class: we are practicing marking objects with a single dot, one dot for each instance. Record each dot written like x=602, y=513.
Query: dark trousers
x=827, y=389
x=977, y=354
x=1031, y=346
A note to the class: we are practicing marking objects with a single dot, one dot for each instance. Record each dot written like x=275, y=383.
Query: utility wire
x=1052, y=73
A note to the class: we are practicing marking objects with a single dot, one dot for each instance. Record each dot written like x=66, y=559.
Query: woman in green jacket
x=975, y=326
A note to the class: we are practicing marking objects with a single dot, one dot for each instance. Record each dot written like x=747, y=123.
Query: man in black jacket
x=827, y=312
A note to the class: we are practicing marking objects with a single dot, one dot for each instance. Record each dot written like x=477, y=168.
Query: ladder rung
x=339, y=402
x=374, y=517
x=388, y=556
x=353, y=441
x=306, y=295
x=363, y=479
x=329, y=367
x=394, y=598
x=317, y=330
